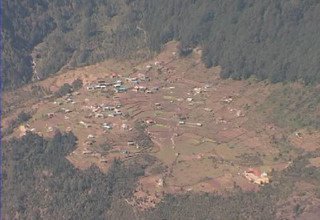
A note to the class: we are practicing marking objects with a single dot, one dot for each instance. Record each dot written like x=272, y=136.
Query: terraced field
x=203, y=132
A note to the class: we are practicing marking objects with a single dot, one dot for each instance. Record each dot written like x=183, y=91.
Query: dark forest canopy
x=278, y=40
x=275, y=40
x=40, y=183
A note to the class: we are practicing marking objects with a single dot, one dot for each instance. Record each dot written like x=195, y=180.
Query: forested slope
x=64, y=32
x=278, y=40
x=40, y=183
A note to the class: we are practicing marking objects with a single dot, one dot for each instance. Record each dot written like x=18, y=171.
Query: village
x=196, y=126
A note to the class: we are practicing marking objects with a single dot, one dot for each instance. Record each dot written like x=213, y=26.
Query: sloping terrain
x=276, y=40
x=202, y=133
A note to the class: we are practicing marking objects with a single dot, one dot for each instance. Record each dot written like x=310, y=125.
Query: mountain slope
x=278, y=40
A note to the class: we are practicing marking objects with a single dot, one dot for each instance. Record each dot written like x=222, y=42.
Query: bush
x=77, y=84
x=64, y=90
x=22, y=118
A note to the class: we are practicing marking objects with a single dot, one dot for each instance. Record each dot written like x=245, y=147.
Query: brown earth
x=205, y=154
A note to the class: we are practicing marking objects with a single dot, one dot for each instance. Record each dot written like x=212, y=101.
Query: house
x=239, y=113
x=227, y=100
x=107, y=126
x=148, y=67
x=189, y=99
x=57, y=103
x=90, y=136
x=117, y=112
x=68, y=100
x=89, y=143
x=135, y=88
x=85, y=124
x=50, y=115
x=120, y=89
x=108, y=108
x=104, y=160
x=90, y=88
x=88, y=116
x=253, y=175
x=150, y=121
x=99, y=115
x=197, y=90
x=102, y=86
x=143, y=77
x=142, y=88
x=117, y=85
x=134, y=80
x=298, y=134
x=67, y=111
x=131, y=143
x=86, y=151
x=160, y=182
x=111, y=115
x=155, y=88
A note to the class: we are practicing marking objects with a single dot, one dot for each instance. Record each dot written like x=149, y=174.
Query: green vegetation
x=40, y=183
x=67, y=88
x=239, y=204
x=276, y=40
x=13, y=124
x=142, y=139
x=64, y=90
x=294, y=106
x=62, y=32
x=77, y=84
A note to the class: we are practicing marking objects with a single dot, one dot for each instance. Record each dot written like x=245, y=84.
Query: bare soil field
x=205, y=130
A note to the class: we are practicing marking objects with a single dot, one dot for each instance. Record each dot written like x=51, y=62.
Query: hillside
x=160, y=139
x=276, y=40
x=171, y=109
x=39, y=38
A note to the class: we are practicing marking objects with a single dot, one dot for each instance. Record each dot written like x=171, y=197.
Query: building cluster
x=256, y=177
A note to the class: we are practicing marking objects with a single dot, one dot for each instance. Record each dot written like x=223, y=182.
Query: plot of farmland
x=202, y=131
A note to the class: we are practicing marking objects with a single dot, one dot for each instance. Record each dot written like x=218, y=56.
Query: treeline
x=15, y=123
x=264, y=204
x=40, y=183
x=276, y=40
x=294, y=107
x=64, y=33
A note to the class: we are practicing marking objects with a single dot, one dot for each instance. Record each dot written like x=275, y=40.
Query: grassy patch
x=295, y=107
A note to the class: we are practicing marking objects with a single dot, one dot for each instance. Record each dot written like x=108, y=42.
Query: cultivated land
x=204, y=131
